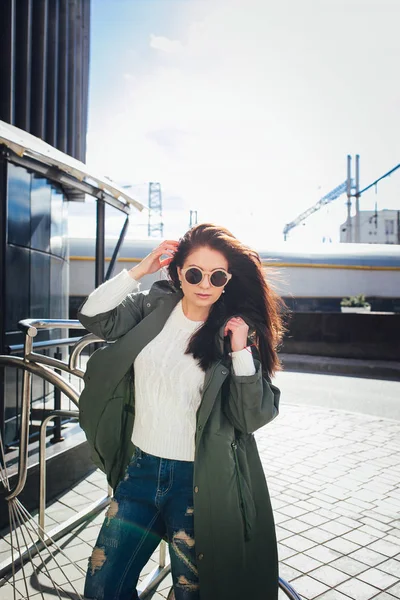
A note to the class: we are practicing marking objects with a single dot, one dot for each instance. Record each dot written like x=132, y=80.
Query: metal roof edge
x=25, y=144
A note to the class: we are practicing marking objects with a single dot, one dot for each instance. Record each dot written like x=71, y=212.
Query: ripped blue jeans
x=154, y=500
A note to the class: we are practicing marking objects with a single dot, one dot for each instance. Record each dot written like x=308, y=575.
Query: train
x=311, y=279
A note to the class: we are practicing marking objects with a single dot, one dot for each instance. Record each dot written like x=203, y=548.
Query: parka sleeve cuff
x=243, y=363
x=110, y=294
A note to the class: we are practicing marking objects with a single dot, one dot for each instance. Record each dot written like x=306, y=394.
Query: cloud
x=159, y=42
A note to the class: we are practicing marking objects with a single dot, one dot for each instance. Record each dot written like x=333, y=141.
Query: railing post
x=57, y=437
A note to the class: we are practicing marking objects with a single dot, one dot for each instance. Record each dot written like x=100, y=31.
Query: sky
x=244, y=110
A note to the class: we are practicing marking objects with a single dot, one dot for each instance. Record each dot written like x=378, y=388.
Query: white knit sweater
x=168, y=382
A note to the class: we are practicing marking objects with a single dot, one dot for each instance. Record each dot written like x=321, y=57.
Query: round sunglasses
x=195, y=275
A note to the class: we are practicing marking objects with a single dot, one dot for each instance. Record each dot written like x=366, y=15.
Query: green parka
x=234, y=527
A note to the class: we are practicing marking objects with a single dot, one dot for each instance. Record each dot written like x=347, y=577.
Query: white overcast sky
x=244, y=110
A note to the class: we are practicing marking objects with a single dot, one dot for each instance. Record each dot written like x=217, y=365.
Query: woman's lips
x=203, y=295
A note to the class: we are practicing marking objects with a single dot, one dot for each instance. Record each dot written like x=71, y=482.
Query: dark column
x=7, y=60
x=77, y=92
x=85, y=75
x=23, y=59
x=72, y=77
x=52, y=73
x=62, y=77
x=38, y=81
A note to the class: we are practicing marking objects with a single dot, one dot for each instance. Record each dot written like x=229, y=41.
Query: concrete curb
x=374, y=369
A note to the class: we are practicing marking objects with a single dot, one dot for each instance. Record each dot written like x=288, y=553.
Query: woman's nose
x=205, y=284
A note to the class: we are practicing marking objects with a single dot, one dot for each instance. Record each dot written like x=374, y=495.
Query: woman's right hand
x=153, y=262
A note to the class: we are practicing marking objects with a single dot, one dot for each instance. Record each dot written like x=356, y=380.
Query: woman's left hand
x=238, y=330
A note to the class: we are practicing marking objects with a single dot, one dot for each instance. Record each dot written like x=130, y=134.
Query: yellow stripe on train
x=265, y=263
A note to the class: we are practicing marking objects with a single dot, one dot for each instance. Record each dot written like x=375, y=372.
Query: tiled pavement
x=334, y=479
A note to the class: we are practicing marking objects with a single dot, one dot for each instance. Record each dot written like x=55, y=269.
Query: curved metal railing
x=33, y=363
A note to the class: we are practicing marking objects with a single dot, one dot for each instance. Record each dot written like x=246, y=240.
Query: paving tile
x=313, y=519
x=342, y=546
x=377, y=533
x=288, y=573
x=383, y=547
x=378, y=578
x=292, y=511
x=357, y=590
x=316, y=534
x=284, y=552
x=309, y=588
x=333, y=595
x=391, y=566
x=302, y=562
x=368, y=556
x=323, y=554
x=328, y=575
x=295, y=525
x=299, y=543
x=351, y=523
x=360, y=538
x=349, y=565
x=394, y=591
x=281, y=533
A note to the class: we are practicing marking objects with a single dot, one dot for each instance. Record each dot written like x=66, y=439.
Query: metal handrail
x=30, y=326
x=14, y=348
x=33, y=363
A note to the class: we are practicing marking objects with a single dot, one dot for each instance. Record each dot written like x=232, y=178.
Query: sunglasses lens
x=193, y=276
x=219, y=278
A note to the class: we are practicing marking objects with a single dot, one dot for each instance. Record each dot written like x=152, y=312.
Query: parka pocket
x=108, y=434
x=247, y=506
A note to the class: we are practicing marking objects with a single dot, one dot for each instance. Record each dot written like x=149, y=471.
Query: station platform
x=334, y=479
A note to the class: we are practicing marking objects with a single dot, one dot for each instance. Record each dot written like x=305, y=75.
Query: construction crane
x=347, y=187
x=332, y=195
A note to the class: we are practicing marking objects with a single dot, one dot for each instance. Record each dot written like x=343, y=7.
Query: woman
x=169, y=410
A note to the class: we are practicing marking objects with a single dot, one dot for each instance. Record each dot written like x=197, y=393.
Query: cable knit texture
x=168, y=382
x=168, y=386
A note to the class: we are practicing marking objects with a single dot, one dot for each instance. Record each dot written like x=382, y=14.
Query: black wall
x=35, y=272
x=44, y=63
x=344, y=335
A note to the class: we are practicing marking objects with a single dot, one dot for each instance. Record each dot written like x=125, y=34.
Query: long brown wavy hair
x=247, y=294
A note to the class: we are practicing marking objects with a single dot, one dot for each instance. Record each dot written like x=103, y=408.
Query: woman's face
x=204, y=294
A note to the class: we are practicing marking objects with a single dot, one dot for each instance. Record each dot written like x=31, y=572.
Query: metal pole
x=42, y=460
x=348, y=192
x=100, y=242
x=117, y=248
x=357, y=195
x=57, y=437
x=24, y=429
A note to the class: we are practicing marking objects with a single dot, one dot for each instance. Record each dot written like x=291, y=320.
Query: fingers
x=165, y=262
x=168, y=247
x=234, y=324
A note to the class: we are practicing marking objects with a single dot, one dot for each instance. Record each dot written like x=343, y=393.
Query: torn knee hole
x=188, y=585
x=97, y=560
x=112, y=510
x=183, y=537
x=189, y=511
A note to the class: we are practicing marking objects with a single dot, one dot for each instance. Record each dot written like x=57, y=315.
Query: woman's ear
x=178, y=270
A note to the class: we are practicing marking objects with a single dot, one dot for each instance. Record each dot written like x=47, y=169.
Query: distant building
x=376, y=227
